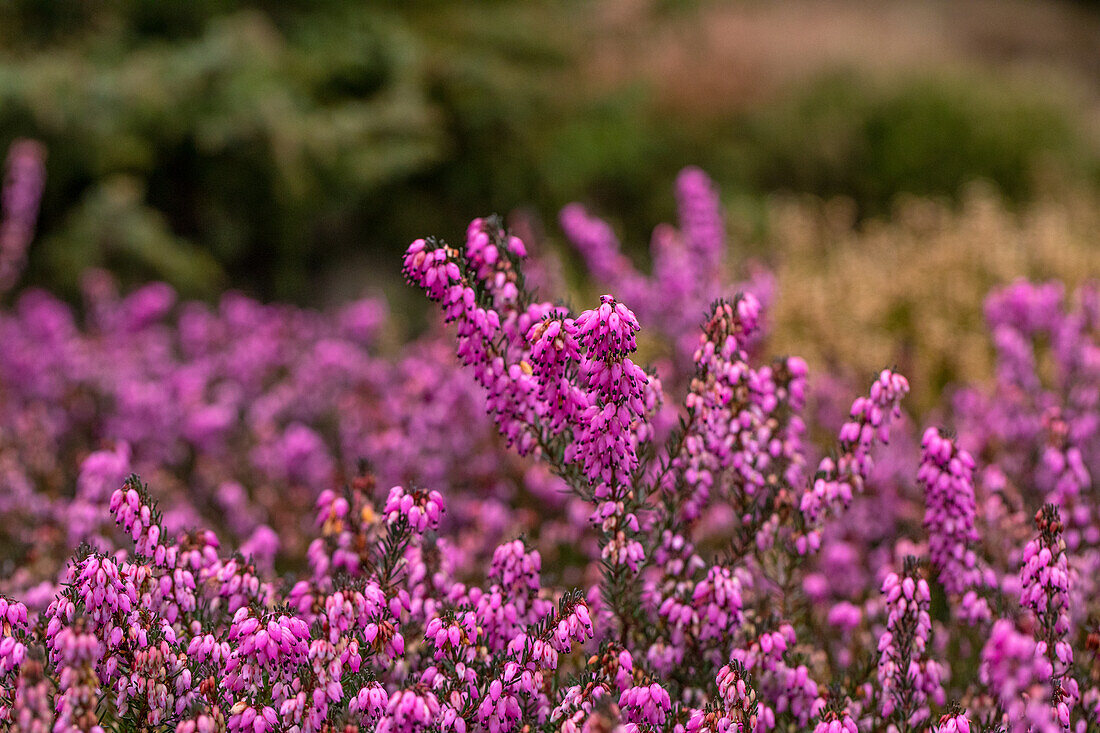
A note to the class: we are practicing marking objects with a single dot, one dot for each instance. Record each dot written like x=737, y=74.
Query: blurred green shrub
x=842, y=134
x=262, y=134
x=270, y=144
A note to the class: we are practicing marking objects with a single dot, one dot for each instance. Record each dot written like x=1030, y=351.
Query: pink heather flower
x=701, y=221
x=909, y=679
x=836, y=722
x=135, y=512
x=607, y=331
x=783, y=687
x=515, y=567
x=947, y=474
x=369, y=703
x=554, y=343
x=839, y=479
x=1045, y=590
x=421, y=509
x=298, y=455
x=409, y=710
x=736, y=706
x=12, y=654
x=24, y=180
x=693, y=532
x=554, y=352
x=734, y=411
x=431, y=269
x=953, y=723
x=688, y=270
x=252, y=720
x=574, y=713
x=101, y=473
x=1018, y=674
x=845, y=615
x=599, y=246
x=645, y=704
x=1063, y=463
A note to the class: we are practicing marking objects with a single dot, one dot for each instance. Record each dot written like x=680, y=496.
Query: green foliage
x=110, y=227
x=258, y=136
x=267, y=144
x=926, y=135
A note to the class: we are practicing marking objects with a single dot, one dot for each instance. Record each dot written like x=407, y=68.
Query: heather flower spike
x=908, y=676
x=947, y=475
x=23, y=182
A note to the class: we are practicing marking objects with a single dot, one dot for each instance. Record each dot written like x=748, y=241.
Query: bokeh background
x=890, y=160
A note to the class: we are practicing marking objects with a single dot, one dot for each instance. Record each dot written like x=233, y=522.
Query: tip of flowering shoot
x=422, y=509
x=514, y=564
x=693, y=176
x=12, y=613
x=953, y=722
x=486, y=241
x=739, y=318
x=590, y=234
x=936, y=446
x=608, y=331
x=431, y=265
x=646, y=704
x=797, y=367
x=930, y=438
x=1025, y=306
x=1048, y=520
x=889, y=387
x=940, y=448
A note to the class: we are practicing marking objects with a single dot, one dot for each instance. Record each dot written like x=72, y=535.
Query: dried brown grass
x=909, y=291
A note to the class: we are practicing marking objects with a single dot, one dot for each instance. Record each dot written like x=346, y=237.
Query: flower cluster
x=1019, y=676
x=1044, y=590
x=908, y=676
x=947, y=475
x=839, y=479
x=24, y=179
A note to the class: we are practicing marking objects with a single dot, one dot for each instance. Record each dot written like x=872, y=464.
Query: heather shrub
x=565, y=388
x=542, y=533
